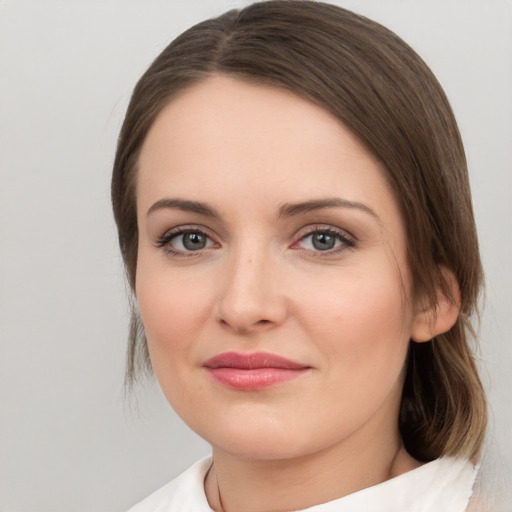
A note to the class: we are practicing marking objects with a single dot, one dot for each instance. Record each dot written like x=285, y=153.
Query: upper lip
x=251, y=361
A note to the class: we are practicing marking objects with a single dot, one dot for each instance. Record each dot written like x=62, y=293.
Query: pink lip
x=250, y=372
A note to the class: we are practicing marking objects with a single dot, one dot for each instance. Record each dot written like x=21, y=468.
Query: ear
x=434, y=319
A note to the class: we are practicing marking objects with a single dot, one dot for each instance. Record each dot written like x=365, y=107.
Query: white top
x=443, y=485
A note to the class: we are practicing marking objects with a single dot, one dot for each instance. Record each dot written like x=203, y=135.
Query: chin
x=250, y=436
x=262, y=448
x=265, y=438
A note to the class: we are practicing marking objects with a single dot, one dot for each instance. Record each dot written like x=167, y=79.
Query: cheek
x=354, y=301
x=171, y=308
x=361, y=327
x=361, y=321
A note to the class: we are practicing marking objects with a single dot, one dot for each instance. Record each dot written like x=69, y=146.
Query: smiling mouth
x=252, y=372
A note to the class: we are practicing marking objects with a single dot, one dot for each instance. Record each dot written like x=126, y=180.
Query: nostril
x=244, y=328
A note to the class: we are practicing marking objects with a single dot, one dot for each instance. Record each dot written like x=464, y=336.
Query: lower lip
x=254, y=379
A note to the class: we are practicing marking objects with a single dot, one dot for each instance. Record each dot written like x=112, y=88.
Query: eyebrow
x=293, y=209
x=185, y=205
x=285, y=210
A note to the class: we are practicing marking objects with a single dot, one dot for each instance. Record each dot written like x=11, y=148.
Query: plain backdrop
x=69, y=439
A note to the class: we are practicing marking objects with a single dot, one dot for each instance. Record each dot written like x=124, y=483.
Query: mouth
x=254, y=371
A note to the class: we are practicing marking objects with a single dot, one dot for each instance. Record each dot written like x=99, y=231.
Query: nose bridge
x=250, y=298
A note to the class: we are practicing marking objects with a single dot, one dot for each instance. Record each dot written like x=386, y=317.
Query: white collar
x=443, y=485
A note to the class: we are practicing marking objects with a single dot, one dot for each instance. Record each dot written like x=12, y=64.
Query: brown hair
x=372, y=81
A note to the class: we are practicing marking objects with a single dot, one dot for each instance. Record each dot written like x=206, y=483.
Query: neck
x=247, y=485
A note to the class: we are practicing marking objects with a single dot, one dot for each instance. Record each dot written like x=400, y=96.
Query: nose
x=252, y=298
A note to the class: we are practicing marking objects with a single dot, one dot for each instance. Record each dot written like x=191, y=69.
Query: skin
x=260, y=284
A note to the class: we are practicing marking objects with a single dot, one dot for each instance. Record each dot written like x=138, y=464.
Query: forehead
x=227, y=139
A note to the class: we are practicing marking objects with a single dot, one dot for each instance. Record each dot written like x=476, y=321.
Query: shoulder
x=443, y=485
x=186, y=492
x=448, y=483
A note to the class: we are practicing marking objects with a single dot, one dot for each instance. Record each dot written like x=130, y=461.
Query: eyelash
x=347, y=241
x=164, y=242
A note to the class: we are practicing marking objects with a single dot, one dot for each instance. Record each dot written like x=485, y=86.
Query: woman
x=294, y=213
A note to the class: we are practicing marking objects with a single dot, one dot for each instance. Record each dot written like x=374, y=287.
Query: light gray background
x=69, y=442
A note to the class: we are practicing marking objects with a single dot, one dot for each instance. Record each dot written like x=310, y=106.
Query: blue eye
x=182, y=241
x=191, y=241
x=325, y=240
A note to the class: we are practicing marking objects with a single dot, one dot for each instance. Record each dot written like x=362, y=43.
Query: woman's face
x=272, y=276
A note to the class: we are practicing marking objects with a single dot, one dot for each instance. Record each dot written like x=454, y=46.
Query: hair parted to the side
x=374, y=83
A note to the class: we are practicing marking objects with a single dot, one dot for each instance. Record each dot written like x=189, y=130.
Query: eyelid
x=163, y=241
x=348, y=241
